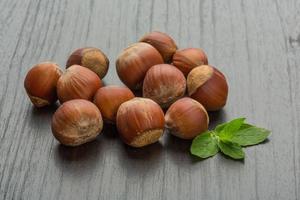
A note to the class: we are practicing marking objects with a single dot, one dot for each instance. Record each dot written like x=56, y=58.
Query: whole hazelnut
x=164, y=84
x=91, y=58
x=187, y=59
x=133, y=63
x=140, y=122
x=76, y=122
x=186, y=118
x=109, y=98
x=208, y=86
x=162, y=42
x=40, y=83
x=77, y=83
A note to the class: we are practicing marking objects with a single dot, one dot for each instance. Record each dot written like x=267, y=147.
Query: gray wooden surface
x=256, y=43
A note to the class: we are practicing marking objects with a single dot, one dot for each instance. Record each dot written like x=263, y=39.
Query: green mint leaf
x=229, y=138
x=245, y=125
x=231, y=149
x=220, y=127
x=229, y=135
x=249, y=136
x=233, y=125
x=204, y=145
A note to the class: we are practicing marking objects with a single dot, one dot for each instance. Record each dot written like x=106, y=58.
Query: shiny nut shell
x=186, y=118
x=140, y=122
x=77, y=83
x=91, y=58
x=162, y=42
x=208, y=86
x=76, y=122
x=109, y=98
x=164, y=84
x=134, y=62
x=187, y=59
x=40, y=83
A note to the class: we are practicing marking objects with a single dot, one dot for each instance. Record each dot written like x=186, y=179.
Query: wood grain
x=255, y=43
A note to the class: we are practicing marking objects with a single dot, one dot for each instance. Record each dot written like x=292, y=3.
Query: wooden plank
x=255, y=43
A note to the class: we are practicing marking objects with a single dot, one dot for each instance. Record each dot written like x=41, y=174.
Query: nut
x=91, y=58
x=164, y=84
x=40, y=83
x=109, y=98
x=162, y=42
x=77, y=83
x=186, y=118
x=208, y=86
x=140, y=122
x=187, y=59
x=76, y=122
x=133, y=63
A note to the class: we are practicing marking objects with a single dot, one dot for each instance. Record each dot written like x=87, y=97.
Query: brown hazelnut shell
x=162, y=42
x=40, y=83
x=140, y=122
x=91, y=58
x=76, y=122
x=109, y=98
x=187, y=59
x=164, y=84
x=78, y=83
x=133, y=63
x=208, y=85
x=186, y=118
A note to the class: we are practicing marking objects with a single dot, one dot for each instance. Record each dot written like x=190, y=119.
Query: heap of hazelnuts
x=179, y=82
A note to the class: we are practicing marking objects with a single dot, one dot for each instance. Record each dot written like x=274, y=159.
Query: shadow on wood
x=83, y=153
x=216, y=118
x=44, y=111
x=40, y=118
x=110, y=131
x=178, y=149
x=150, y=152
x=141, y=162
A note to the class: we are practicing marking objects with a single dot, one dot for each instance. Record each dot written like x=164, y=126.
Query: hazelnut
x=162, y=42
x=133, y=63
x=208, y=86
x=76, y=122
x=164, y=84
x=109, y=98
x=40, y=83
x=187, y=59
x=186, y=118
x=77, y=83
x=91, y=58
x=140, y=122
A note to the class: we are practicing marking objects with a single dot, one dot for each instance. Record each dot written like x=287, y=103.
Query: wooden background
x=256, y=43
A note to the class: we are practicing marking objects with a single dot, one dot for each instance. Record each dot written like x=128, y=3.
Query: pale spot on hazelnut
x=96, y=61
x=38, y=102
x=198, y=76
x=166, y=95
x=84, y=131
x=147, y=137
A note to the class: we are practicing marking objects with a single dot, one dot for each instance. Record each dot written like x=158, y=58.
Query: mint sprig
x=231, y=149
x=229, y=138
x=206, y=145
